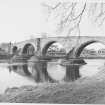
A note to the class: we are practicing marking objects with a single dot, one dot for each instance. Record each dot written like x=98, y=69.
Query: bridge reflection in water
x=16, y=75
x=47, y=71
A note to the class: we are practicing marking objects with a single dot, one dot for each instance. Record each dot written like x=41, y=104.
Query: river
x=26, y=74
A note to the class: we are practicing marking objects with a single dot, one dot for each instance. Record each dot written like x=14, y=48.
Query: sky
x=19, y=19
x=24, y=19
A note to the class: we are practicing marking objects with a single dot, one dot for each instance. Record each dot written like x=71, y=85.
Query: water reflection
x=37, y=71
x=33, y=73
x=47, y=71
x=53, y=72
x=9, y=78
x=56, y=71
x=92, y=68
x=72, y=72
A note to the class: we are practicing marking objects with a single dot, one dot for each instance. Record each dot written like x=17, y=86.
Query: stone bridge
x=73, y=45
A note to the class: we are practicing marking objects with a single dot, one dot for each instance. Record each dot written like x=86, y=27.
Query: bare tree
x=97, y=13
x=69, y=14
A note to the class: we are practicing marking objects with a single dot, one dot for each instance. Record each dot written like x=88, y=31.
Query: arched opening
x=44, y=50
x=28, y=49
x=53, y=49
x=14, y=50
x=93, y=53
x=83, y=46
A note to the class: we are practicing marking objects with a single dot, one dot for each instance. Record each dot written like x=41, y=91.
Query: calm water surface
x=19, y=75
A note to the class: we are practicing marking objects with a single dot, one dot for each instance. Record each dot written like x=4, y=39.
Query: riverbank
x=82, y=91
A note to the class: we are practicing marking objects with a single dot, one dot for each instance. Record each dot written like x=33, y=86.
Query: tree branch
x=50, y=7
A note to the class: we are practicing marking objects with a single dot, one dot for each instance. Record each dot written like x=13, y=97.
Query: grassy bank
x=82, y=91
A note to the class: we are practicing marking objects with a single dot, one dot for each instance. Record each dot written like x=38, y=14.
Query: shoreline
x=82, y=91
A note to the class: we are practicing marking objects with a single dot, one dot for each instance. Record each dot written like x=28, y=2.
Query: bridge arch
x=57, y=47
x=14, y=49
x=45, y=48
x=28, y=49
x=83, y=45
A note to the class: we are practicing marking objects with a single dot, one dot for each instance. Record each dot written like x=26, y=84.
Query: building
x=88, y=53
x=5, y=47
x=101, y=52
x=54, y=50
